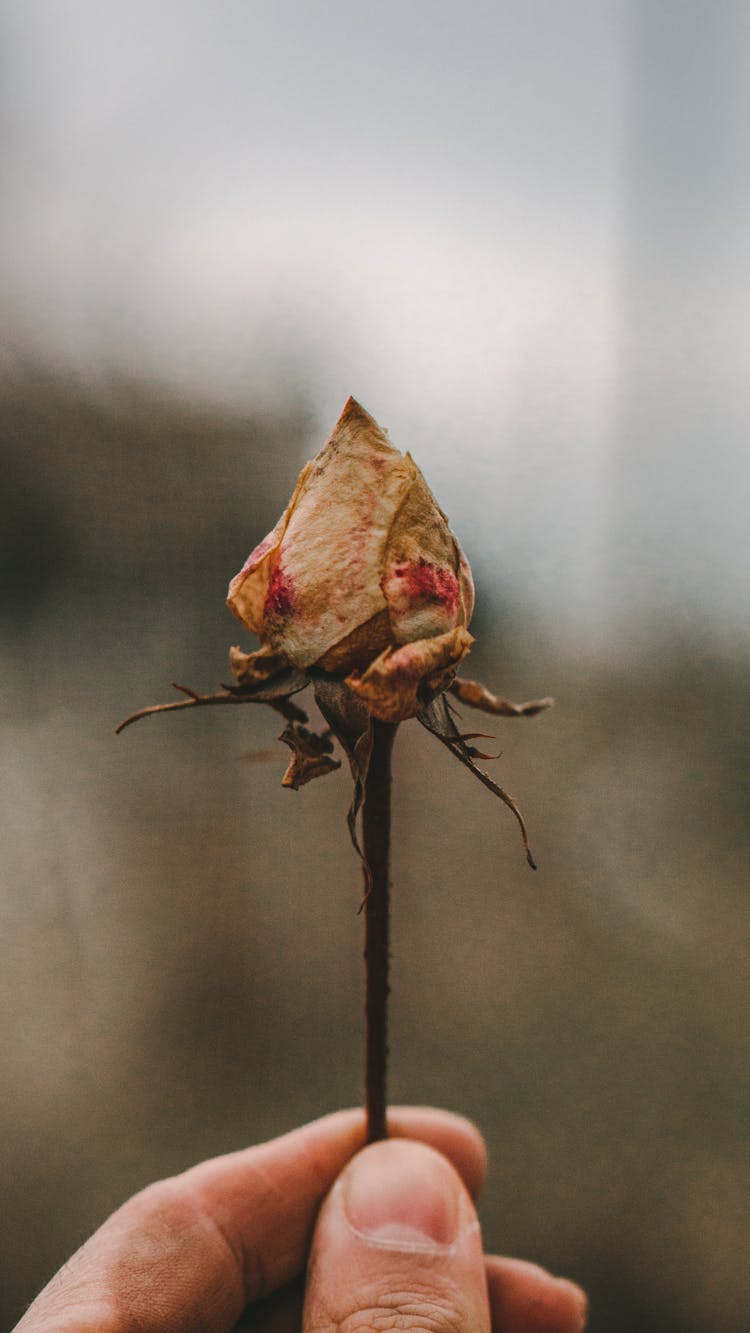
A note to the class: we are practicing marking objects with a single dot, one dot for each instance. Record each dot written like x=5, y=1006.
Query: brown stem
x=376, y=841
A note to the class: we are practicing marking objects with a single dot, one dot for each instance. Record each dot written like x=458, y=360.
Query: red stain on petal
x=279, y=601
x=253, y=560
x=425, y=582
x=261, y=549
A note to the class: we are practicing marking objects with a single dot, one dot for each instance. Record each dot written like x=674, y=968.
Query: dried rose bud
x=361, y=577
x=363, y=592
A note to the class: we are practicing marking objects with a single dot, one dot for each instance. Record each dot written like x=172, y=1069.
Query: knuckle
x=169, y=1220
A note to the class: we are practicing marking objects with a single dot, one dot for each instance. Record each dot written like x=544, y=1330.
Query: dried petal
x=319, y=571
x=248, y=590
x=391, y=684
x=421, y=578
x=361, y=562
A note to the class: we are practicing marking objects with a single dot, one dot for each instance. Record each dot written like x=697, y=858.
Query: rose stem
x=376, y=839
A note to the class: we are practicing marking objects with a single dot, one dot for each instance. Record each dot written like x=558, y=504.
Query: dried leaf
x=311, y=756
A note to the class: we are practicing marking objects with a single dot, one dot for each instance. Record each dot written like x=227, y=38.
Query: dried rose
x=363, y=591
x=361, y=577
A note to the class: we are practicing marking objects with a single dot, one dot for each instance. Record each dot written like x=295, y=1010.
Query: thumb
x=397, y=1245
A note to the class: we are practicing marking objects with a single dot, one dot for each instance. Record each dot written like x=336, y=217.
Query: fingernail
x=403, y=1195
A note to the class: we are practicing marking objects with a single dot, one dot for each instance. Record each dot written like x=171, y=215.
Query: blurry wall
x=517, y=234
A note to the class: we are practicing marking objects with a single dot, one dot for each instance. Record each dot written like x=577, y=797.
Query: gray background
x=517, y=233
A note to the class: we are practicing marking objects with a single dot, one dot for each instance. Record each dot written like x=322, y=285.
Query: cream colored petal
x=326, y=578
x=421, y=579
x=361, y=557
x=389, y=686
x=248, y=589
x=466, y=585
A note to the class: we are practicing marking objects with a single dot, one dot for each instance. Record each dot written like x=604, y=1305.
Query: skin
x=388, y=1236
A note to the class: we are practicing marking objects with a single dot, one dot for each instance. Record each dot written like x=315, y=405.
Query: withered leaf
x=311, y=756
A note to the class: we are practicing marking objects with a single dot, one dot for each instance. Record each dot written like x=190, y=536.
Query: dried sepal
x=286, y=708
x=311, y=756
x=437, y=719
x=391, y=685
x=274, y=691
x=351, y=723
x=256, y=668
x=475, y=695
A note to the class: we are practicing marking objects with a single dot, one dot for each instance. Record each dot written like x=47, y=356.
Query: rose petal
x=466, y=586
x=330, y=564
x=248, y=590
x=391, y=683
x=420, y=580
x=362, y=558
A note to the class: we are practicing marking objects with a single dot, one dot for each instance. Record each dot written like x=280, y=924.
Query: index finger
x=190, y=1253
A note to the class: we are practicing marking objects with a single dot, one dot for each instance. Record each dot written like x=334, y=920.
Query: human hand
x=396, y=1244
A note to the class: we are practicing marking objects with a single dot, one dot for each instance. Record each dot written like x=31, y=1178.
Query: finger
x=397, y=1245
x=280, y=1313
x=527, y=1299
x=457, y=1139
x=190, y=1253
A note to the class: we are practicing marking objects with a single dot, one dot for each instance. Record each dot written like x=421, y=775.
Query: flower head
x=361, y=577
x=362, y=591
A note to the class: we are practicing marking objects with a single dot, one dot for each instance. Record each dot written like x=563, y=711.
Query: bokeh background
x=517, y=232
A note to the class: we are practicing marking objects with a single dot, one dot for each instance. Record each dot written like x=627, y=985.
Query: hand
x=396, y=1244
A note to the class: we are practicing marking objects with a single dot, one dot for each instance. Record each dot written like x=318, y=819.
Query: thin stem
x=376, y=844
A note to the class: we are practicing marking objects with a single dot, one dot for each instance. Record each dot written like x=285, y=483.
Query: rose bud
x=362, y=591
x=360, y=578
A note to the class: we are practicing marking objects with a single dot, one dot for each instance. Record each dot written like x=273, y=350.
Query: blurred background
x=517, y=232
